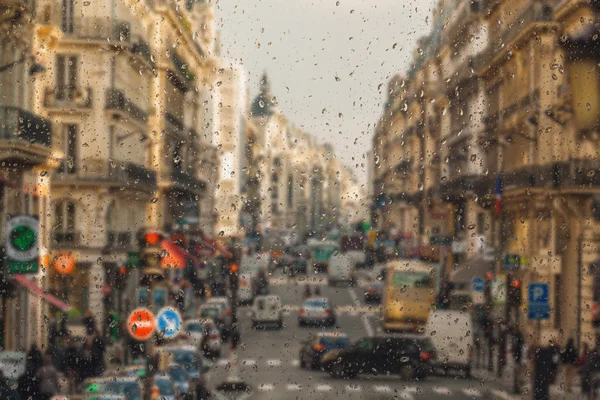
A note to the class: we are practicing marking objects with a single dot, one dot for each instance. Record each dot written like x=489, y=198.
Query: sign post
x=478, y=288
x=22, y=244
x=168, y=322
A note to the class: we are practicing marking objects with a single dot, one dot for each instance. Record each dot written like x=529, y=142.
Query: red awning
x=173, y=257
x=38, y=291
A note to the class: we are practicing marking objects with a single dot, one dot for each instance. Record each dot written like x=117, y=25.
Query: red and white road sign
x=141, y=324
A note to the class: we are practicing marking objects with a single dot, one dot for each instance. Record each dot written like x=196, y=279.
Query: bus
x=410, y=288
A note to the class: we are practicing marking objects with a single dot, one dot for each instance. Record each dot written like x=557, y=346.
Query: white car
x=245, y=288
x=267, y=310
x=446, y=329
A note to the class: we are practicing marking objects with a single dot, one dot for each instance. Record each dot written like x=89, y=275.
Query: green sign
x=512, y=262
x=133, y=260
x=22, y=247
x=433, y=240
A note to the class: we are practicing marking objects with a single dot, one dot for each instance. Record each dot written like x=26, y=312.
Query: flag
x=499, y=187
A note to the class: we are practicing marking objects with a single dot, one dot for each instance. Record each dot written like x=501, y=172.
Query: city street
x=268, y=359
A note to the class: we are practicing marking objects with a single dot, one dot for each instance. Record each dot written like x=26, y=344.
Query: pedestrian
x=545, y=361
x=317, y=291
x=48, y=377
x=584, y=371
x=568, y=359
x=28, y=383
x=6, y=391
x=73, y=364
x=501, y=350
x=35, y=357
x=307, y=291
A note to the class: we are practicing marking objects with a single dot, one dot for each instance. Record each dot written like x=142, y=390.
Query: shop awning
x=33, y=288
x=174, y=257
x=472, y=268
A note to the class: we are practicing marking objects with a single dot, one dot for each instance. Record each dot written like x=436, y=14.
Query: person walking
x=6, y=391
x=584, y=371
x=28, y=383
x=568, y=359
x=501, y=350
x=35, y=357
x=48, y=377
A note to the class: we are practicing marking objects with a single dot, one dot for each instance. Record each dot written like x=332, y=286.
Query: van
x=341, y=269
x=267, y=310
x=452, y=335
x=245, y=288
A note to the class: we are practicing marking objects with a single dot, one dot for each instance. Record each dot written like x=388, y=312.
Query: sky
x=328, y=61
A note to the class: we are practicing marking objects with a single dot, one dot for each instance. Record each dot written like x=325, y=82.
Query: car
x=12, y=364
x=374, y=292
x=245, y=288
x=101, y=396
x=299, y=265
x=224, y=310
x=163, y=383
x=181, y=380
x=128, y=386
x=313, y=349
x=189, y=358
x=204, y=334
x=214, y=312
x=267, y=310
x=316, y=311
x=406, y=355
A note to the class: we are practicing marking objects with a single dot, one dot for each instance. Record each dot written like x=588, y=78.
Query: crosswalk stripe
x=266, y=387
x=441, y=390
x=222, y=362
x=295, y=363
x=311, y=280
x=293, y=387
x=381, y=388
x=273, y=363
x=249, y=361
x=353, y=388
x=347, y=309
x=323, y=388
x=411, y=389
x=472, y=392
x=406, y=395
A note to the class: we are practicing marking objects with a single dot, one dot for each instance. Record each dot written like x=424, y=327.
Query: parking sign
x=538, y=300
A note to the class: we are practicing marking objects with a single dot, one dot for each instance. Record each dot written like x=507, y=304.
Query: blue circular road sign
x=168, y=322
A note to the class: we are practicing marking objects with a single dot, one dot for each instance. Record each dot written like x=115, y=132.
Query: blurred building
x=488, y=147
x=129, y=89
x=291, y=181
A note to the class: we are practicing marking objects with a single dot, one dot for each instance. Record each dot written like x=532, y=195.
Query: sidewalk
x=502, y=388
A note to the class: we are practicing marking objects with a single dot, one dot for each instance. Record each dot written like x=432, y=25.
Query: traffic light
x=149, y=238
x=233, y=277
x=121, y=278
x=514, y=292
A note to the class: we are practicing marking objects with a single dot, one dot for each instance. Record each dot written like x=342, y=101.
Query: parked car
x=341, y=269
x=12, y=364
x=267, y=310
x=408, y=356
x=204, y=334
x=127, y=386
x=312, y=350
x=166, y=388
x=181, y=380
x=316, y=311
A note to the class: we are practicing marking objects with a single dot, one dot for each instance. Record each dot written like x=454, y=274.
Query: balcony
x=530, y=15
x=174, y=126
x=113, y=174
x=117, y=101
x=185, y=181
x=66, y=238
x=119, y=240
x=68, y=98
x=25, y=134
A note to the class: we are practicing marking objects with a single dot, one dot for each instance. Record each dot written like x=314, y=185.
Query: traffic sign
x=22, y=244
x=538, y=306
x=141, y=324
x=498, y=289
x=168, y=322
x=478, y=284
x=444, y=240
x=512, y=262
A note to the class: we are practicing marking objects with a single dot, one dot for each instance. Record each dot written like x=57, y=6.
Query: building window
x=66, y=77
x=64, y=223
x=68, y=12
x=480, y=223
x=290, y=191
x=69, y=135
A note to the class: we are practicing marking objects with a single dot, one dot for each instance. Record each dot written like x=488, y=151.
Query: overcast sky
x=328, y=61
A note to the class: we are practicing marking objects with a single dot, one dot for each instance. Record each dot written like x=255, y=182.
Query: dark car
x=299, y=265
x=408, y=356
x=374, y=292
x=312, y=350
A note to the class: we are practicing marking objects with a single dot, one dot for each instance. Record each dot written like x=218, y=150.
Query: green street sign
x=133, y=260
x=22, y=244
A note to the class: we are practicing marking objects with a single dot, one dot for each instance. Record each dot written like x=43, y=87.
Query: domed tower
x=264, y=105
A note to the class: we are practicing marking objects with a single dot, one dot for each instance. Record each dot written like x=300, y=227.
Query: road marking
x=352, y=310
x=293, y=387
x=249, y=361
x=441, y=390
x=382, y=388
x=502, y=395
x=472, y=392
x=323, y=388
x=353, y=388
x=406, y=395
x=411, y=389
x=365, y=320
x=273, y=363
x=295, y=363
x=221, y=362
x=266, y=387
